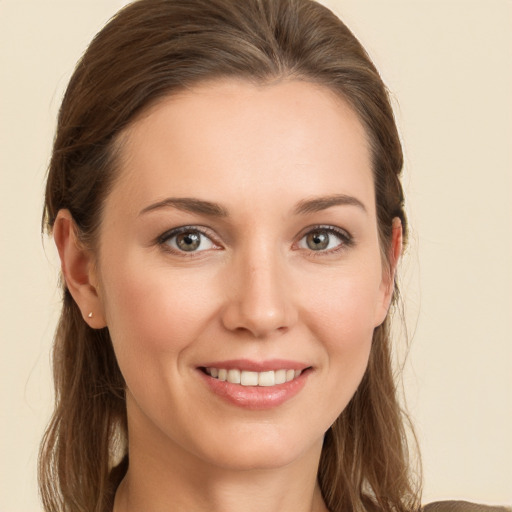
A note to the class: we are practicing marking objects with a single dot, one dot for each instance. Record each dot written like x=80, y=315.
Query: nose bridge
x=260, y=302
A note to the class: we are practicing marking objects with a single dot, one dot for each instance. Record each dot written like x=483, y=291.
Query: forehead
x=231, y=139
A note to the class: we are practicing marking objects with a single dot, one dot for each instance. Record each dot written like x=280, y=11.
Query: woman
x=224, y=194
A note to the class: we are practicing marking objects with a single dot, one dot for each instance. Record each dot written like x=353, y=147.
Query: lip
x=257, y=366
x=256, y=397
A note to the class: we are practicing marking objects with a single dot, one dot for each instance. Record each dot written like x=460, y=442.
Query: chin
x=262, y=451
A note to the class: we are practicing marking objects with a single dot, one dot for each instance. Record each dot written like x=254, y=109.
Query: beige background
x=448, y=65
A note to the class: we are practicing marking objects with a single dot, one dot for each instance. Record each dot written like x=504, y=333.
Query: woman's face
x=240, y=242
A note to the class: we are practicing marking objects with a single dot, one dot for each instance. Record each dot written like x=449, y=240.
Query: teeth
x=267, y=378
x=247, y=378
x=234, y=376
x=280, y=376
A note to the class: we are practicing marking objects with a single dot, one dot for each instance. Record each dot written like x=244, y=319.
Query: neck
x=157, y=482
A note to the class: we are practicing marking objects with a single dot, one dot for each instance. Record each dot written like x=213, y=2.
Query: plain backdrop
x=448, y=66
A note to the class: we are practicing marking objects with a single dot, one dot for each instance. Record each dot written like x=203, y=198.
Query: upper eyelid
x=326, y=227
x=183, y=229
x=163, y=241
x=209, y=233
x=345, y=237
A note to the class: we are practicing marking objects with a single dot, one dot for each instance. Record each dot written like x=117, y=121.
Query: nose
x=260, y=298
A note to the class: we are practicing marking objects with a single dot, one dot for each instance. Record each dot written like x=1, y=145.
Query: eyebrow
x=318, y=204
x=189, y=204
x=304, y=207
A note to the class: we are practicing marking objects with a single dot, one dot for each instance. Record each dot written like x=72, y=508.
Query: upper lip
x=257, y=366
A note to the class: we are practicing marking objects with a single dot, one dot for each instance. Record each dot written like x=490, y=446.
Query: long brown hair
x=152, y=49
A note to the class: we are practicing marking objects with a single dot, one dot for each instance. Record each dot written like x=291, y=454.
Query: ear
x=78, y=270
x=388, y=273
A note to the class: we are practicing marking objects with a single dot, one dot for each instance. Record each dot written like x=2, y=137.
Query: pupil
x=318, y=240
x=188, y=241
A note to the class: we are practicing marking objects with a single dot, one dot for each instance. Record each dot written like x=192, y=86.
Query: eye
x=186, y=240
x=325, y=239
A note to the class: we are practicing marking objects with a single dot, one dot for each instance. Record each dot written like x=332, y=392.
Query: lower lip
x=256, y=397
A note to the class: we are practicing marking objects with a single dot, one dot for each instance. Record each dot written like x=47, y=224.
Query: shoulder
x=462, y=506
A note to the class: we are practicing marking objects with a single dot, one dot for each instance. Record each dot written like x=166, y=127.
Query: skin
x=254, y=290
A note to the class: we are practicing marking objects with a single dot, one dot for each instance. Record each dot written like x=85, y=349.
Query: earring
x=89, y=315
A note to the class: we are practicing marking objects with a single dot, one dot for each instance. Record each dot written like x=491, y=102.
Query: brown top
x=462, y=506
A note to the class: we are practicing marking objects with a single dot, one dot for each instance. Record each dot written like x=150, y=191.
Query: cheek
x=155, y=312
x=342, y=319
x=345, y=307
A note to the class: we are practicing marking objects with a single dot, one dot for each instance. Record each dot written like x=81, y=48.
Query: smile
x=251, y=378
x=255, y=385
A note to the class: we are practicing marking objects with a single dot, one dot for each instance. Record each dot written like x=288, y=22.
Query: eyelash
x=163, y=240
x=346, y=239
